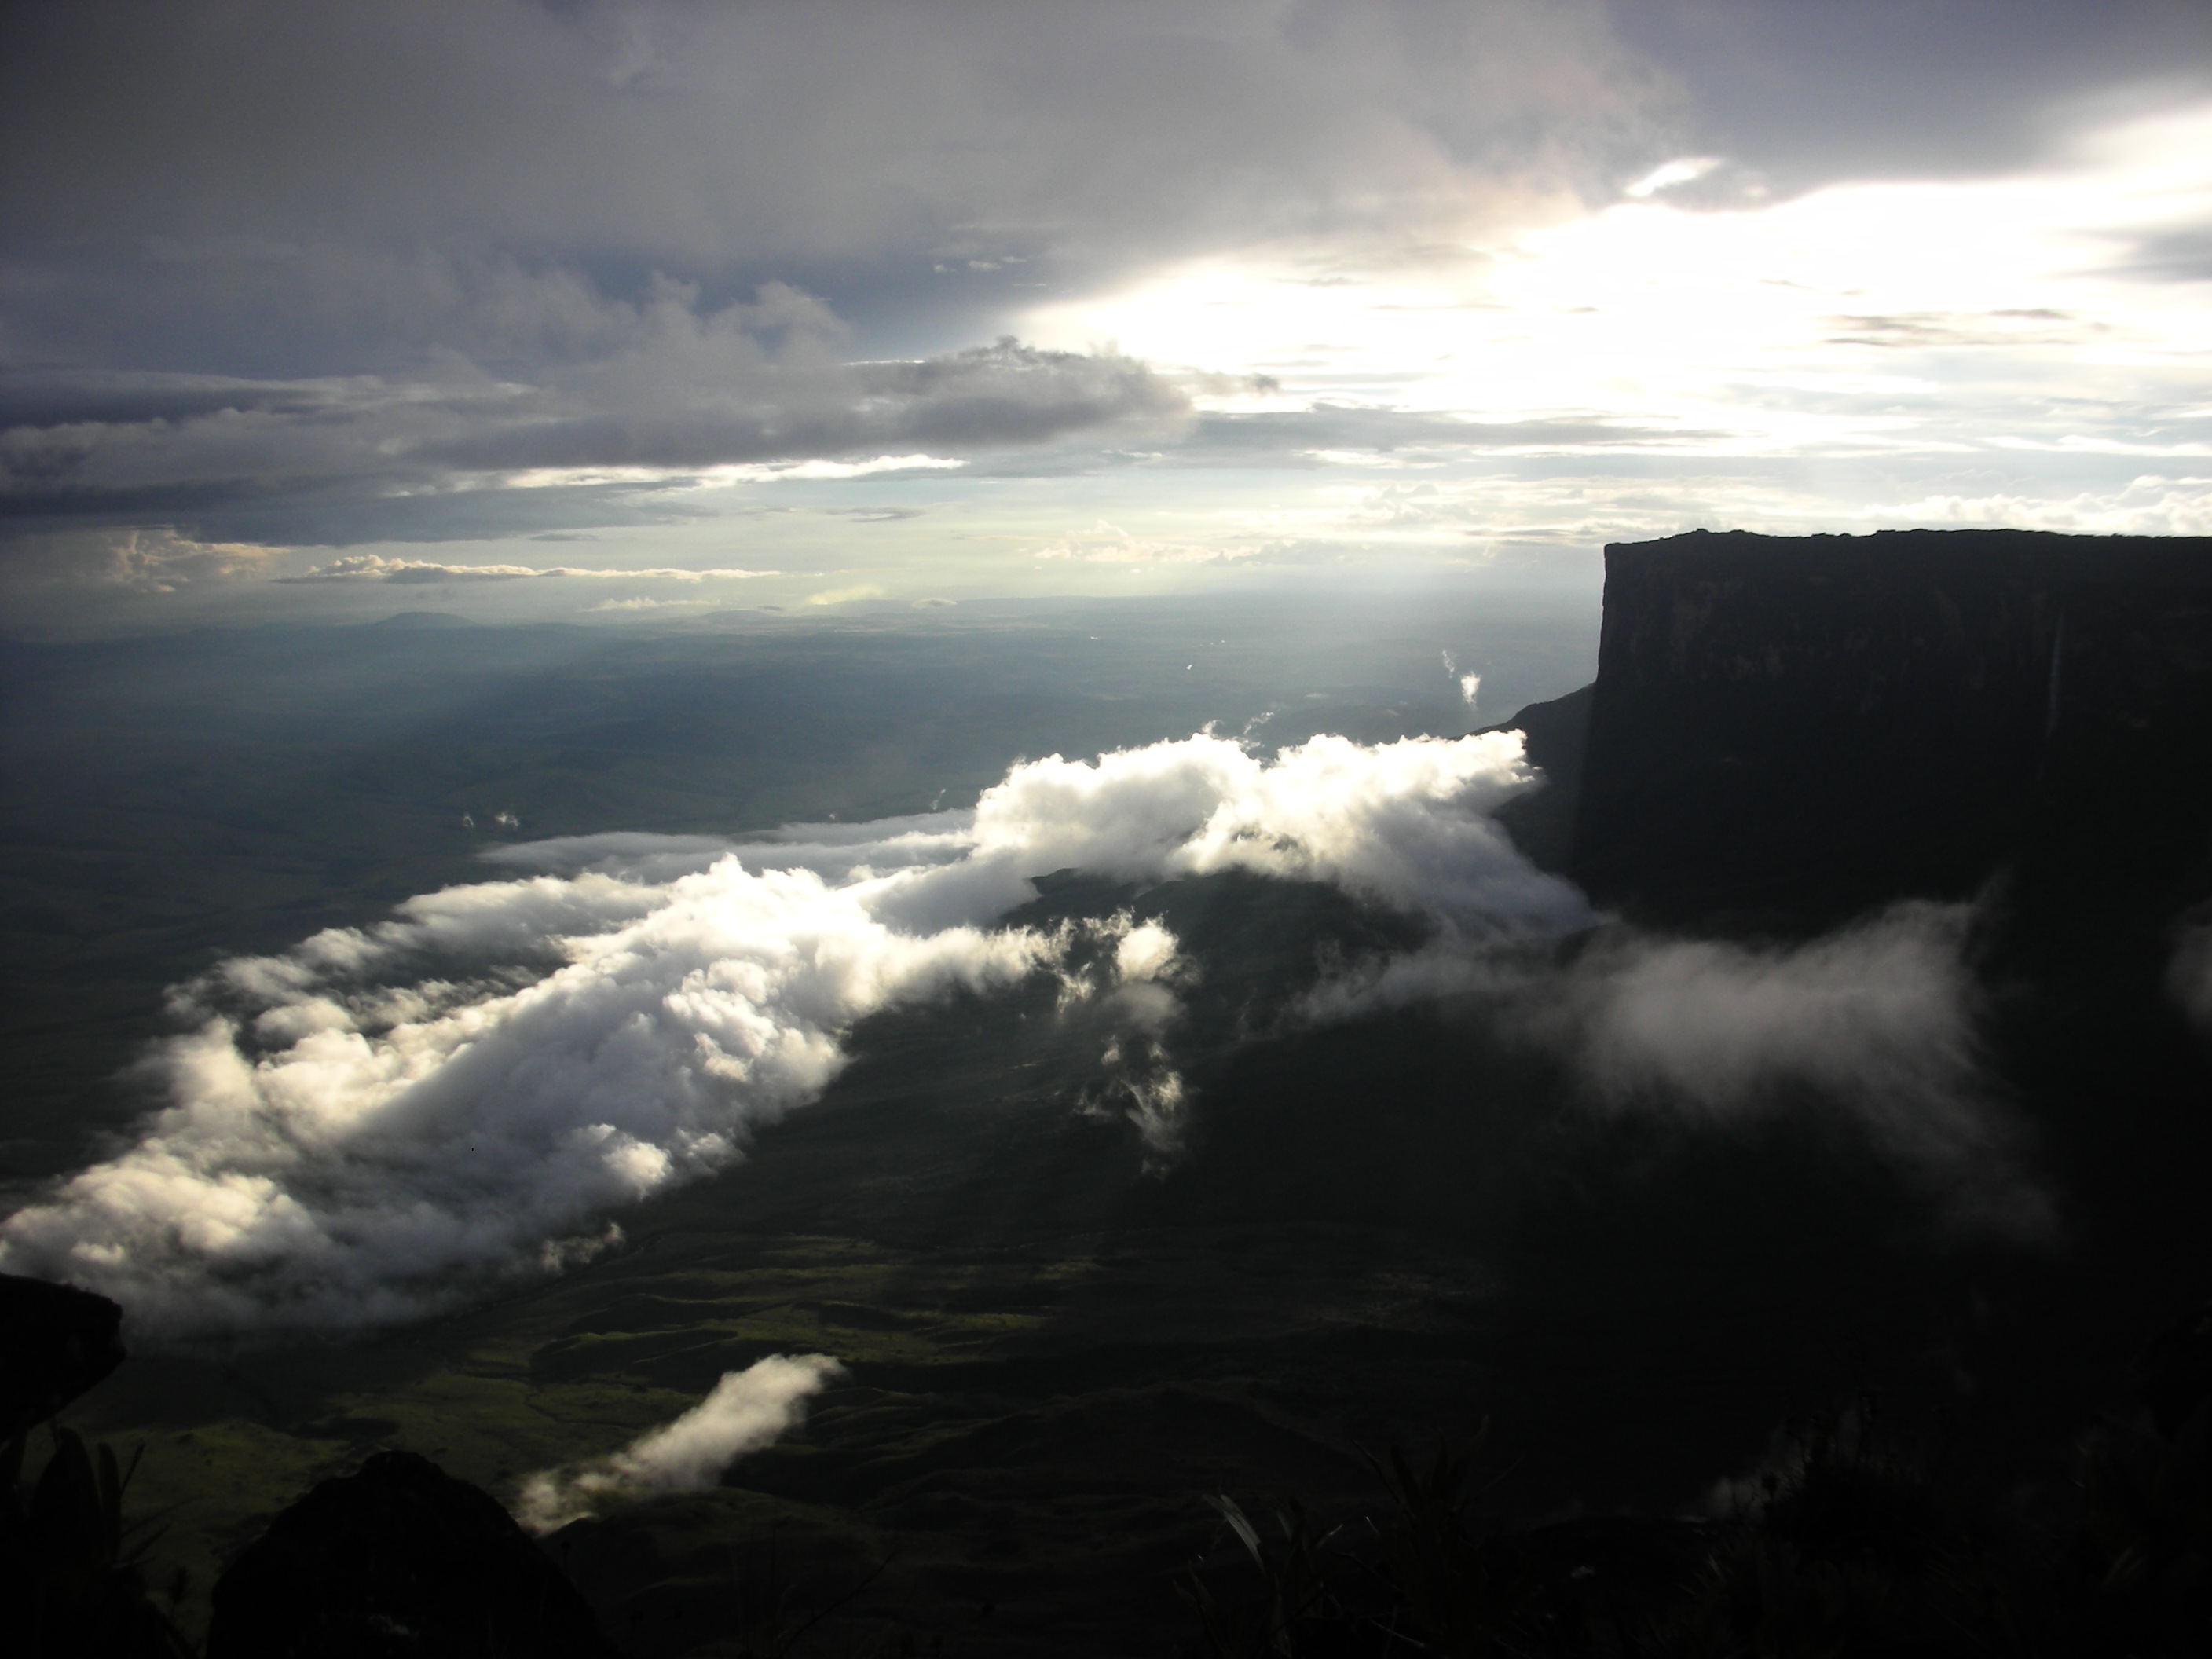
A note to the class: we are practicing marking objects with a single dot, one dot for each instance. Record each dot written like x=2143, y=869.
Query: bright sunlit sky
x=615, y=311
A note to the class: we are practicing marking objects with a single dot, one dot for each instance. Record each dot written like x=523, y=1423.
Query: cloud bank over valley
x=361, y=1130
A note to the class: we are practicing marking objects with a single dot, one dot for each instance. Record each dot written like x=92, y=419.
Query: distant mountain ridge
x=416, y=619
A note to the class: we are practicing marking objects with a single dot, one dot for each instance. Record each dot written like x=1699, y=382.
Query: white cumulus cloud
x=744, y=1412
x=1874, y=1022
x=1470, y=685
x=371, y=566
x=358, y=1129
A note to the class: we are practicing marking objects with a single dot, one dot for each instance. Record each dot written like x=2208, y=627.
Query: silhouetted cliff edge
x=1788, y=730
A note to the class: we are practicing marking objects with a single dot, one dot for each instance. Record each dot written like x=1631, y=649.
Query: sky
x=599, y=312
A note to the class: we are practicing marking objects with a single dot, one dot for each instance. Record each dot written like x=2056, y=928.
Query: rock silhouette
x=400, y=1559
x=1800, y=727
x=58, y=1341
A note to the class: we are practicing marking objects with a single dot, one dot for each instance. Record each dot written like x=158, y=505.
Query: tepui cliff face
x=1788, y=730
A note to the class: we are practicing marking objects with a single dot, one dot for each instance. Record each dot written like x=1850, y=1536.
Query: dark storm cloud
x=54, y=396
x=1330, y=435
x=275, y=182
x=343, y=513
x=987, y=396
x=2181, y=255
x=326, y=274
x=1801, y=93
x=362, y=457
x=1302, y=437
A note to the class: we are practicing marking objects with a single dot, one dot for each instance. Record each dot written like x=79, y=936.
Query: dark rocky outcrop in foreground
x=71, y=1585
x=400, y=1559
x=1555, y=736
x=55, y=1342
x=1798, y=728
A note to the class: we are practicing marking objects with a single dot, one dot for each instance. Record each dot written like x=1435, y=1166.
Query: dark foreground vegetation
x=1857, y=1539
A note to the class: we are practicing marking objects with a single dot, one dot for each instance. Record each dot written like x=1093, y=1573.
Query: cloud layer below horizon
x=358, y=1121
x=745, y=1411
x=364, y=1128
